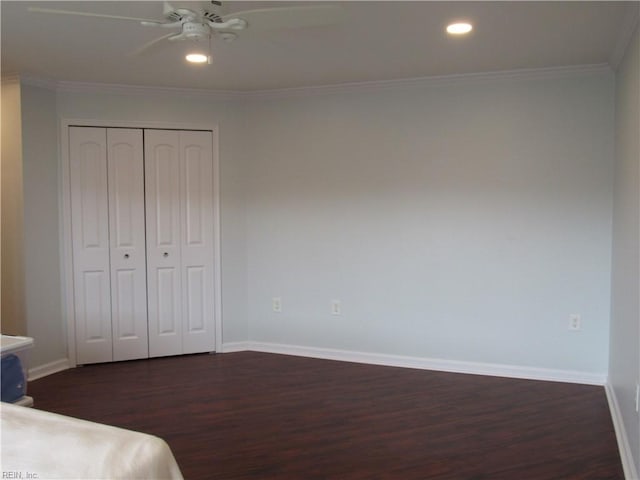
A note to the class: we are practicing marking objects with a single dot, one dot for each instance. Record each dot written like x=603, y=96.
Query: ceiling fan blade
x=162, y=24
x=231, y=24
x=167, y=9
x=87, y=14
x=289, y=17
x=147, y=46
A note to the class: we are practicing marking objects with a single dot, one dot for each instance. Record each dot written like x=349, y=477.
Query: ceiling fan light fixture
x=459, y=28
x=197, y=58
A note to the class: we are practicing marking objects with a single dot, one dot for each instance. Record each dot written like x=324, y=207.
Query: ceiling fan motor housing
x=195, y=31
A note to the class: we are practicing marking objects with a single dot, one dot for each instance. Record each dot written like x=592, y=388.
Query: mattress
x=43, y=445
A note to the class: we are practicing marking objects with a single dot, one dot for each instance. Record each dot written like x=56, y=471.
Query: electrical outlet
x=276, y=303
x=336, y=307
x=575, y=321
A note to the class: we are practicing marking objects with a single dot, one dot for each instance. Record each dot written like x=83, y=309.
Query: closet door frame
x=66, y=243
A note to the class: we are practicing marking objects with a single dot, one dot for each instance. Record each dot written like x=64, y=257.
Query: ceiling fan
x=206, y=21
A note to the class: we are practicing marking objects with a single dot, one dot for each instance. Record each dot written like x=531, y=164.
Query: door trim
x=66, y=264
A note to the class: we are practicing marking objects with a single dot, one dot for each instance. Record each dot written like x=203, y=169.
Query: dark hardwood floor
x=253, y=415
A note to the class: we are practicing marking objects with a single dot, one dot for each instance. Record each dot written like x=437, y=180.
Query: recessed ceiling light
x=196, y=58
x=459, y=28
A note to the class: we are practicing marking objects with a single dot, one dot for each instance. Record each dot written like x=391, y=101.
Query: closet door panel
x=127, y=241
x=94, y=308
x=167, y=285
x=162, y=193
x=197, y=241
x=124, y=290
x=90, y=244
x=196, y=300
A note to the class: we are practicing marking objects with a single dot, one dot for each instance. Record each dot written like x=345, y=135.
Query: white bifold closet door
x=179, y=203
x=108, y=242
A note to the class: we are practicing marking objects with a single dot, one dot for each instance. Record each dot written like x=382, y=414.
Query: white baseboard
x=453, y=366
x=48, y=369
x=630, y=471
x=231, y=347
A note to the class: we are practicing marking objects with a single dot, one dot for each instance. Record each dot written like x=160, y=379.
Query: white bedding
x=42, y=445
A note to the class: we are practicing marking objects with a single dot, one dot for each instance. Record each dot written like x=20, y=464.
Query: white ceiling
x=374, y=41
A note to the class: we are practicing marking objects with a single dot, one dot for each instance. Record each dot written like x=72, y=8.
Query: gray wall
x=624, y=361
x=461, y=221
x=41, y=226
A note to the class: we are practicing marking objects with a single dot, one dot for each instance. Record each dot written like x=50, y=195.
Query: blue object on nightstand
x=12, y=376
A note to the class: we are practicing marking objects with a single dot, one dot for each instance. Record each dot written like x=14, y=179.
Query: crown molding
x=229, y=95
x=39, y=82
x=436, y=80
x=121, y=89
x=630, y=24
